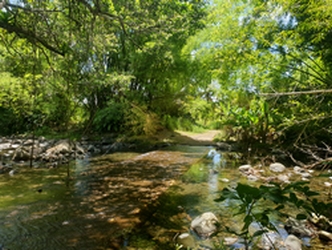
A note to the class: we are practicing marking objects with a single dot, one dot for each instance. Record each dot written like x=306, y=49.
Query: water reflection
x=216, y=167
x=104, y=198
x=203, y=181
x=91, y=204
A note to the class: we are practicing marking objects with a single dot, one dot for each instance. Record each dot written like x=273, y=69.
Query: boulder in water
x=205, y=224
x=293, y=243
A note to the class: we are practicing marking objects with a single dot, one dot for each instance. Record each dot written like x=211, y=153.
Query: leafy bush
x=139, y=120
x=169, y=122
x=9, y=122
x=249, y=198
x=111, y=118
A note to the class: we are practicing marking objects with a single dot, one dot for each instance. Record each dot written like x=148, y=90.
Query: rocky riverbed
x=44, y=152
x=51, y=153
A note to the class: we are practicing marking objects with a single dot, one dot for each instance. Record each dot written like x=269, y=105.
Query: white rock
x=224, y=180
x=328, y=184
x=306, y=175
x=283, y=178
x=277, y=167
x=245, y=168
x=253, y=178
x=298, y=170
x=293, y=243
x=205, y=224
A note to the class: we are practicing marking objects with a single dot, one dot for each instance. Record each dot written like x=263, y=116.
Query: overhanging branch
x=30, y=36
x=307, y=92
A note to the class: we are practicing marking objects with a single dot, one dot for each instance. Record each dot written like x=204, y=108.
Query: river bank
x=55, y=152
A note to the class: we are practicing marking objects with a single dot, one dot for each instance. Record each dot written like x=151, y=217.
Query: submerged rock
x=268, y=239
x=186, y=240
x=293, y=243
x=205, y=224
x=298, y=228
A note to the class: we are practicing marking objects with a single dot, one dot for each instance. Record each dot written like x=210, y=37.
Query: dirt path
x=202, y=137
x=195, y=139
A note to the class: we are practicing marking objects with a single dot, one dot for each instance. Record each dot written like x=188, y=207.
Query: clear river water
x=117, y=201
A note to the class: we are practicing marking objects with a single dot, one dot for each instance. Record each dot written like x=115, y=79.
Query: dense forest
x=259, y=70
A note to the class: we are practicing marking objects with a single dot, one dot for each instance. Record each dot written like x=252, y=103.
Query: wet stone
x=205, y=224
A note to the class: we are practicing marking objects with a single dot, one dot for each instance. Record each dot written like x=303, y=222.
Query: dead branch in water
x=315, y=153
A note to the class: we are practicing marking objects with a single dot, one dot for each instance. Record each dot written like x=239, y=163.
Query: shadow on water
x=96, y=207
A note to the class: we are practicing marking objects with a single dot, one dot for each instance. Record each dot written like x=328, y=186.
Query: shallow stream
x=115, y=201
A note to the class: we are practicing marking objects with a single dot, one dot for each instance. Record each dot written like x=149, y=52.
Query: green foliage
x=111, y=118
x=90, y=55
x=251, y=123
x=141, y=242
x=250, y=201
x=252, y=47
x=140, y=121
x=169, y=122
x=19, y=102
x=199, y=62
x=202, y=111
x=183, y=123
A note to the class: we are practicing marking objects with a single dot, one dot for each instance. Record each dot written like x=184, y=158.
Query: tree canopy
x=272, y=65
x=94, y=61
x=261, y=69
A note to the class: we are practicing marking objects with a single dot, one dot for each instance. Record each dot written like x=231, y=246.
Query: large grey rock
x=277, y=167
x=21, y=154
x=62, y=147
x=283, y=178
x=293, y=243
x=268, y=240
x=63, y=151
x=303, y=172
x=205, y=224
x=29, y=142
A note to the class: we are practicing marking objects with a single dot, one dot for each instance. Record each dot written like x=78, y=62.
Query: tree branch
x=30, y=36
x=306, y=92
x=14, y=6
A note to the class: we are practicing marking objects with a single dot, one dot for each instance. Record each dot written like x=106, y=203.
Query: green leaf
x=263, y=219
x=247, y=192
x=259, y=233
x=280, y=207
x=247, y=221
x=227, y=193
x=293, y=198
x=301, y=217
